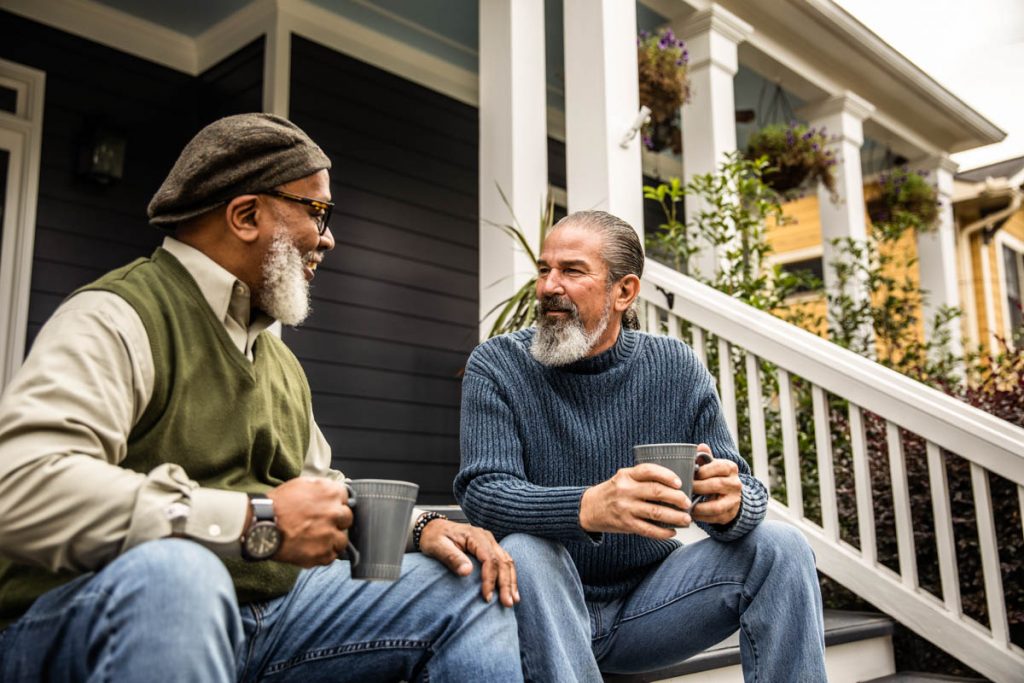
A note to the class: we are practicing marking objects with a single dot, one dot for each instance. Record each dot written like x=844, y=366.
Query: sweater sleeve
x=491, y=484
x=710, y=428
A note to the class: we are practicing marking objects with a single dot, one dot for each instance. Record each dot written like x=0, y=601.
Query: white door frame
x=21, y=136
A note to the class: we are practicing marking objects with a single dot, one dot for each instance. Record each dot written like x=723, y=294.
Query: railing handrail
x=948, y=422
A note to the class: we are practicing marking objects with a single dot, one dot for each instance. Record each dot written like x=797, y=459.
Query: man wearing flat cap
x=157, y=425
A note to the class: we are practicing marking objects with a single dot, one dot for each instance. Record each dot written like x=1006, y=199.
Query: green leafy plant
x=519, y=310
x=664, y=87
x=905, y=200
x=796, y=153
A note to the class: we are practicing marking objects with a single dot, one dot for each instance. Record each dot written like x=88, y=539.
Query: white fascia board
x=902, y=69
x=113, y=28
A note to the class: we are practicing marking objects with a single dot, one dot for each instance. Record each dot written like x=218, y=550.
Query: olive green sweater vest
x=229, y=422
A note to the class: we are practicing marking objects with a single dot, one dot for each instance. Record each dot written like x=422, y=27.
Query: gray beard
x=562, y=342
x=284, y=295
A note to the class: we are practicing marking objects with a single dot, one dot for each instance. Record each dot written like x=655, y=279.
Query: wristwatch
x=263, y=538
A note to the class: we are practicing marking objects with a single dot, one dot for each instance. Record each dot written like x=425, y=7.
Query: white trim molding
x=1004, y=240
x=21, y=135
x=112, y=27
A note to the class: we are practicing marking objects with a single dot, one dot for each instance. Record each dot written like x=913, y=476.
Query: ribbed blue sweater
x=533, y=439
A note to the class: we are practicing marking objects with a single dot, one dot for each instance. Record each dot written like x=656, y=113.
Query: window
x=1013, y=272
x=812, y=267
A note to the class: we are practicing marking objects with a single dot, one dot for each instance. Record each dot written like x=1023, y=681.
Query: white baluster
x=862, y=481
x=901, y=505
x=653, y=319
x=826, y=476
x=989, y=555
x=758, y=440
x=945, y=542
x=727, y=387
x=673, y=325
x=790, y=446
x=700, y=345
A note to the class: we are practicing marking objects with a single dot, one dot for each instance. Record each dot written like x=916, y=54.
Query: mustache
x=554, y=303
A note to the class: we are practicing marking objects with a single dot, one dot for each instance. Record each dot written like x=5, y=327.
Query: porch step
x=915, y=677
x=858, y=647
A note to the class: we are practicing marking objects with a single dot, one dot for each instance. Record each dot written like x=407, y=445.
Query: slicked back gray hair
x=620, y=249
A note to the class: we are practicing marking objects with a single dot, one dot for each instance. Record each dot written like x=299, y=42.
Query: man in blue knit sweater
x=549, y=419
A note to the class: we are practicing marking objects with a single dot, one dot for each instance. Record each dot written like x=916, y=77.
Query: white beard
x=561, y=342
x=284, y=294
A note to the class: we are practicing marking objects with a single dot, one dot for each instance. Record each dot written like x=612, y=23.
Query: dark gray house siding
x=395, y=304
x=83, y=228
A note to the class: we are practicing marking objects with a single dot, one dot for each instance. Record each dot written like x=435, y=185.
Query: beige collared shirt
x=65, y=502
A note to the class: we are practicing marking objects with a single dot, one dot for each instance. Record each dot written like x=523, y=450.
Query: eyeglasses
x=321, y=219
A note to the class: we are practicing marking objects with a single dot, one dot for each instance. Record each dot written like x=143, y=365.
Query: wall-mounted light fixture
x=101, y=156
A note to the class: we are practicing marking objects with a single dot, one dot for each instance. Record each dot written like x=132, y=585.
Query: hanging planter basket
x=796, y=154
x=664, y=87
x=904, y=200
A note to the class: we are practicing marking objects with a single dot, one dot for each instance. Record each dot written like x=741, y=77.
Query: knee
x=179, y=571
x=533, y=552
x=785, y=544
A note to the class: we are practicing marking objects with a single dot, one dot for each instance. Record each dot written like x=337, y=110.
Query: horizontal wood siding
x=395, y=304
x=84, y=229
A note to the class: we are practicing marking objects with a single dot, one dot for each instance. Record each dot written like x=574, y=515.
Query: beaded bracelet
x=421, y=524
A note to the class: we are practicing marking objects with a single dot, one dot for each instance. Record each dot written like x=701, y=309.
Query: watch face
x=263, y=540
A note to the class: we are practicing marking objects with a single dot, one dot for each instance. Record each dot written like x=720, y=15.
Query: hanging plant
x=664, y=87
x=796, y=154
x=904, y=200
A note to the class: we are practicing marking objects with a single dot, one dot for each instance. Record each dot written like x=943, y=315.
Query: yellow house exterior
x=989, y=224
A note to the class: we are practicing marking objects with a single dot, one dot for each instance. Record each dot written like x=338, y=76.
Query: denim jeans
x=166, y=611
x=763, y=584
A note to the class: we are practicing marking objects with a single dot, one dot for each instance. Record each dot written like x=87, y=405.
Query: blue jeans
x=166, y=611
x=763, y=584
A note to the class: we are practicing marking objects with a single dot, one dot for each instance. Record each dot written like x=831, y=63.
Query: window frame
x=21, y=137
x=1007, y=241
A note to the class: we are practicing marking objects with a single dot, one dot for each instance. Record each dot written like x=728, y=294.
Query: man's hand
x=313, y=514
x=628, y=503
x=449, y=543
x=719, y=479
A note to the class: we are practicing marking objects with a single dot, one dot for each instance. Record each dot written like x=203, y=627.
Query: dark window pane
x=1012, y=268
x=809, y=267
x=4, y=160
x=8, y=99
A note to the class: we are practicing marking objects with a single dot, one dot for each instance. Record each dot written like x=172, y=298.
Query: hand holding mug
x=314, y=517
x=719, y=485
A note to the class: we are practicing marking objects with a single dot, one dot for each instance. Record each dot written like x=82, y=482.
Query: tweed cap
x=236, y=155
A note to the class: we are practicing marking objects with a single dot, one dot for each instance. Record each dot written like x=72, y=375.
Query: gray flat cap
x=236, y=155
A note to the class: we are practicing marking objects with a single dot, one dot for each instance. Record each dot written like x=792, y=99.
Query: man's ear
x=626, y=291
x=242, y=215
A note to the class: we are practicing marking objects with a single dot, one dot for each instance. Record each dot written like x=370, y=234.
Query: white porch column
x=601, y=104
x=709, y=119
x=936, y=250
x=843, y=118
x=513, y=144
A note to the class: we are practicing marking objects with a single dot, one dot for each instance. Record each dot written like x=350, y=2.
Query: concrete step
x=858, y=647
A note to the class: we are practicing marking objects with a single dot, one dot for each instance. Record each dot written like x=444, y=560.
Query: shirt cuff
x=216, y=520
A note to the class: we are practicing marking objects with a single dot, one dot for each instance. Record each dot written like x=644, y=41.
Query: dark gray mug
x=381, y=509
x=681, y=458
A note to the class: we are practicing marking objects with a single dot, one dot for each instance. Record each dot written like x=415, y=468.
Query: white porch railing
x=671, y=302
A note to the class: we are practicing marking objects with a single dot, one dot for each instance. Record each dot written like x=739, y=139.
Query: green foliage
x=519, y=310
x=905, y=201
x=796, y=153
x=664, y=87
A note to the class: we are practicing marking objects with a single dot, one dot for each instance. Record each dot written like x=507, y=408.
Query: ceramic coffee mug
x=681, y=458
x=381, y=509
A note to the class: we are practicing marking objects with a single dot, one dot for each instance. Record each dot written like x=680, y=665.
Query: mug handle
x=351, y=552
x=701, y=459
